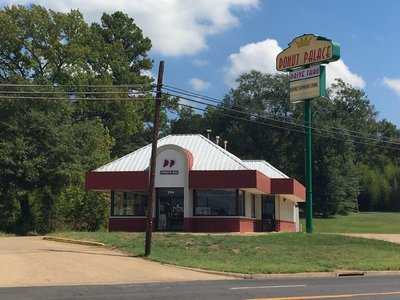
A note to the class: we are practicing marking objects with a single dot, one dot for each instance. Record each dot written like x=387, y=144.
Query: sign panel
x=304, y=89
x=314, y=71
x=308, y=49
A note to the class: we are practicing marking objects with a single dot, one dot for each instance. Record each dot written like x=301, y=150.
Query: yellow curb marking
x=331, y=296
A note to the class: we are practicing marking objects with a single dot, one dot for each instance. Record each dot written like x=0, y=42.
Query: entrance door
x=268, y=213
x=170, y=209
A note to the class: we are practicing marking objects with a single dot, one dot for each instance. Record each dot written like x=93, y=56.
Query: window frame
x=239, y=205
x=112, y=210
x=253, y=206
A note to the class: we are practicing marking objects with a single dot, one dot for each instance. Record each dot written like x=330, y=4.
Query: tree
x=47, y=146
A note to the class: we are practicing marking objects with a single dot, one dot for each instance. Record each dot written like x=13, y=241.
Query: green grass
x=373, y=222
x=272, y=253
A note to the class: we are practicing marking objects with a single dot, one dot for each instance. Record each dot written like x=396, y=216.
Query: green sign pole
x=308, y=127
x=306, y=51
x=308, y=123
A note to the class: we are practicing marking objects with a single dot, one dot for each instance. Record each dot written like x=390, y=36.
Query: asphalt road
x=327, y=288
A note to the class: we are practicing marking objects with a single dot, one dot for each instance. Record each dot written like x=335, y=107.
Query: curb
x=294, y=275
x=71, y=241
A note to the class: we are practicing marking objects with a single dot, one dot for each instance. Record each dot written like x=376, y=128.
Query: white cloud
x=147, y=73
x=392, y=83
x=258, y=56
x=261, y=56
x=176, y=27
x=200, y=62
x=199, y=85
x=339, y=69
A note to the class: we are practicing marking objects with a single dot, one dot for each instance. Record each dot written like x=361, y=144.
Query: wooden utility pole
x=152, y=193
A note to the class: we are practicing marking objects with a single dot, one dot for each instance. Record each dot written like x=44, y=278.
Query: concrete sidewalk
x=393, y=238
x=31, y=261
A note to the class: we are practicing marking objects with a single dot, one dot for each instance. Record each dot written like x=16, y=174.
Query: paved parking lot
x=31, y=261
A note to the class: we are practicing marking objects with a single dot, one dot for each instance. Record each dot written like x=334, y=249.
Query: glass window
x=253, y=206
x=218, y=203
x=129, y=204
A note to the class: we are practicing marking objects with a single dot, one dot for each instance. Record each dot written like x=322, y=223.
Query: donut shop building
x=200, y=187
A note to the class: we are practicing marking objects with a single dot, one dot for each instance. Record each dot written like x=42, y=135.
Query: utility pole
x=309, y=185
x=152, y=194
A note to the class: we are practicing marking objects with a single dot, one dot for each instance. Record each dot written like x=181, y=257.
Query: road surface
x=355, y=288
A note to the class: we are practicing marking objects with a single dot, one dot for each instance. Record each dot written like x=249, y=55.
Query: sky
x=206, y=44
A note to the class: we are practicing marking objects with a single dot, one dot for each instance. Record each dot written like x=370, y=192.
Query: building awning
x=205, y=165
x=236, y=179
x=288, y=187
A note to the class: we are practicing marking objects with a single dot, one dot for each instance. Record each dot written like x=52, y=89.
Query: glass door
x=268, y=213
x=170, y=209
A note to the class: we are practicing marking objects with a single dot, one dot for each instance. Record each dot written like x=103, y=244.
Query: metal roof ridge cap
x=128, y=154
x=268, y=164
x=276, y=169
x=253, y=160
x=225, y=152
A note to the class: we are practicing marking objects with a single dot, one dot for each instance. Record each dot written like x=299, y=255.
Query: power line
x=277, y=118
x=177, y=92
x=76, y=85
x=75, y=92
x=72, y=98
x=369, y=137
x=290, y=129
x=287, y=123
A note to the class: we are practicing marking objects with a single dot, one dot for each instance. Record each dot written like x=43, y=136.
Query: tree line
x=65, y=109
x=356, y=161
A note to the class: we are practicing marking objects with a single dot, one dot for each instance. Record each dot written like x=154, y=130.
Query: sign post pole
x=303, y=60
x=309, y=183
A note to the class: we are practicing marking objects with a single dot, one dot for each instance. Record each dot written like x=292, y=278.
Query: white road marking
x=267, y=287
x=346, y=296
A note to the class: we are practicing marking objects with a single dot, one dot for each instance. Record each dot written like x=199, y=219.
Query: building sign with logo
x=306, y=50
x=307, y=83
x=167, y=167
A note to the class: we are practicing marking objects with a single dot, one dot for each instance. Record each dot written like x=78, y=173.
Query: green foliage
x=47, y=146
x=76, y=209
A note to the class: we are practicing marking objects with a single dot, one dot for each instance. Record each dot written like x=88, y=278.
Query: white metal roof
x=206, y=156
x=265, y=168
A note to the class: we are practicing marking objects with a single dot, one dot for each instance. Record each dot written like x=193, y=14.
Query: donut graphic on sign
x=168, y=164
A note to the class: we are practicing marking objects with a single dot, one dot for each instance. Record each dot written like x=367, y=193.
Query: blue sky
x=207, y=43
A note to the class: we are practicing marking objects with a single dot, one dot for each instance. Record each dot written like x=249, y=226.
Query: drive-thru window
x=200, y=187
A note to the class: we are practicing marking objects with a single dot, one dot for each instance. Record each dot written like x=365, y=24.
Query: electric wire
x=173, y=92
x=221, y=103
x=290, y=129
x=75, y=92
x=77, y=85
x=72, y=99
x=286, y=122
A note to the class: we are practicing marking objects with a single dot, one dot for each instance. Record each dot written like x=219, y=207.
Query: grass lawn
x=374, y=222
x=272, y=253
